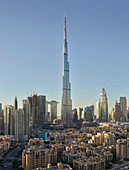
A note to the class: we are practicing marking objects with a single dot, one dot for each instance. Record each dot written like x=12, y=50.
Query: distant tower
x=118, y=114
x=33, y=101
x=66, y=102
x=53, y=110
x=103, y=106
x=80, y=113
x=89, y=113
x=9, y=120
x=123, y=107
x=19, y=125
x=15, y=103
x=42, y=109
x=26, y=109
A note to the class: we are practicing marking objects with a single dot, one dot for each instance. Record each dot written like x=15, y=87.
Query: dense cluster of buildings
x=82, y=140
x=33, y=114
x=88, y=148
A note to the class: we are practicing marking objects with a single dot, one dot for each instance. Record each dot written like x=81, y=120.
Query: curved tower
x=66, y=102
x=103, y=106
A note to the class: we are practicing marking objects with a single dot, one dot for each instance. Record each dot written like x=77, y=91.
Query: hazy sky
x=31, y=39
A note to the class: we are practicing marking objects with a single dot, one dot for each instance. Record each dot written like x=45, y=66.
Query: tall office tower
x=103, y=106
x=118, y=114
x=33, y=100
x=42, y=109
x=113, y=115
x=75, y=115
x=89, y=113
x=9, y=120
x=97, y=110
x=123, y=107
x=26, y=109
x=15, y=103
x=19, y=125
x=66, y=102
x=53, y=110
x=1, y=120
x=80, y=113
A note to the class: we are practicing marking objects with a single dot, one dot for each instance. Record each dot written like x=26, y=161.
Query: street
x=7, y=162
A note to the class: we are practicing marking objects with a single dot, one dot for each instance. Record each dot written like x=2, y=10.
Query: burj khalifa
x=66, y=102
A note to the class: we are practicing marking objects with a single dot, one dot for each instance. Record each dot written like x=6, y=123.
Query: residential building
x=37, y=157
x=122, y=149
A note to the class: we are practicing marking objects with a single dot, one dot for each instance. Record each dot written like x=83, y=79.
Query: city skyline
x=25, y=59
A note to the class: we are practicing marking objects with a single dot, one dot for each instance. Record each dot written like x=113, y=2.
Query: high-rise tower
x=15, y=103
x=103, y=106
x=123, y=108
x=66, y=102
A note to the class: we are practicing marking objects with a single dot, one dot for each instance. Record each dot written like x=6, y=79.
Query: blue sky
x=31, y=39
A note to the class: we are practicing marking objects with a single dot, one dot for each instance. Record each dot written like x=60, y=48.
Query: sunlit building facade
x=9, y=120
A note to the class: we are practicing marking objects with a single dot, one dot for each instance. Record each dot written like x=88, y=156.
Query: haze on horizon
x=32, y=42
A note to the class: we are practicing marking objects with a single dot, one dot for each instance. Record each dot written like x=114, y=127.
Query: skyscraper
x=123, y=107
x=42, y=109
x=66, y=102
x=26, y=109
x=9, y=120
x=53, y=110
x=15, y=103
x=118, y=114
x=19, y=125
x=103, y=106
x=80, y=113
x=97, y=110
x=33, y=100
x=75, y=115
x=89, y=113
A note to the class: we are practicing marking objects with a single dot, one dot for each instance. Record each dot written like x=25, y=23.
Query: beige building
x=122, y=149
x=37, y=157
x=97, y=139
x=92, y=163
x=109, y=139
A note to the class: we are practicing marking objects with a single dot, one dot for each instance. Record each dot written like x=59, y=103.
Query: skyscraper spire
x=65, y=38
x=66, y=102
x=65, y=32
